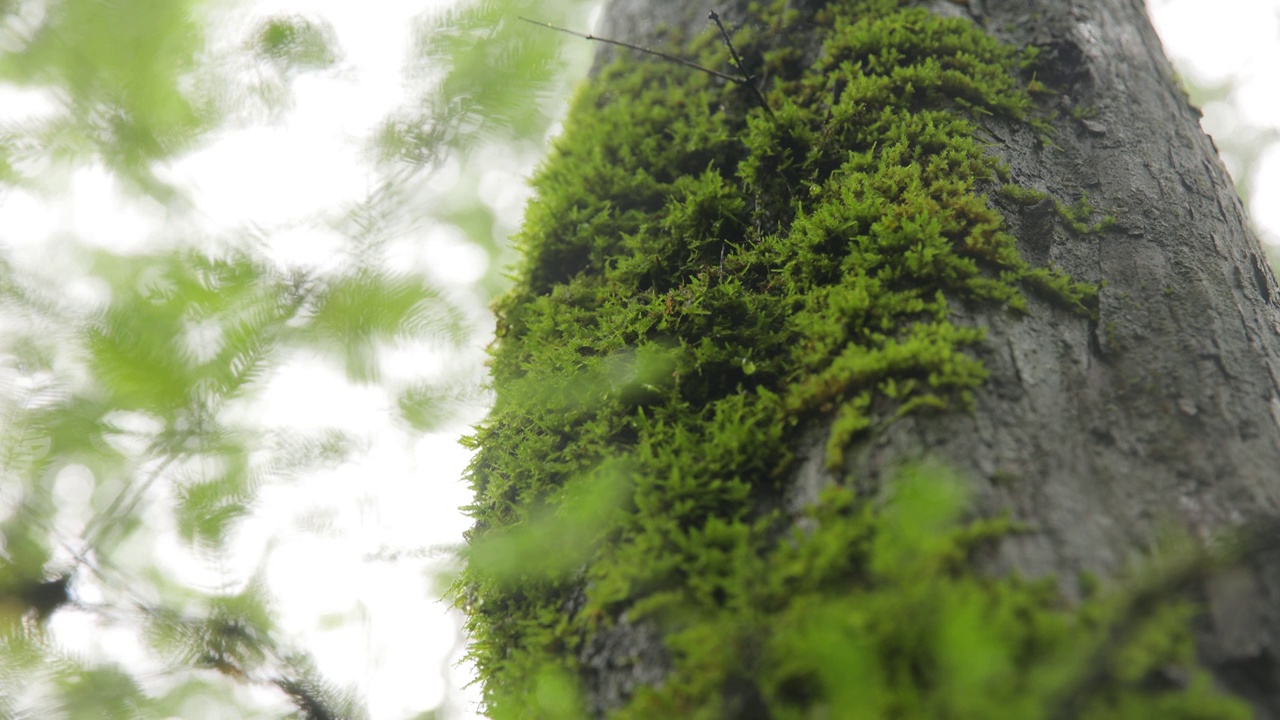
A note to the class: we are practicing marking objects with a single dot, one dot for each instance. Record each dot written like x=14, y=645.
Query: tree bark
x=1164, y=409
x=1100, y=433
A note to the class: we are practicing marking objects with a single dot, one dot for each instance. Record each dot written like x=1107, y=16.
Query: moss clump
x=700, y=279
x=875, y=613
x=1021, y=195
x=1078, y=215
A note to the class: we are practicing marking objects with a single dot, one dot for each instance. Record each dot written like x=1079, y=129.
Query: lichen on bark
x=702, y=278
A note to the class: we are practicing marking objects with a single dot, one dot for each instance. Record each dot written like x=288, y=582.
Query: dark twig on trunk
x=745, y=79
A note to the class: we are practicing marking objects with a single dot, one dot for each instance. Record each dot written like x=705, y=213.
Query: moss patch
x=875, y=613
x=702, y=278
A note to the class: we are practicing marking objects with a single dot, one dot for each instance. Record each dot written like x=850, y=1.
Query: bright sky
x=371, y=623
x=1213, y=43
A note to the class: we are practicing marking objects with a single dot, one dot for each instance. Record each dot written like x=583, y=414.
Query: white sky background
x=1238, y=42
x=372, y=623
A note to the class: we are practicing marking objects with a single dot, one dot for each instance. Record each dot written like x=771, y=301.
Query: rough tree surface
x=988, y=237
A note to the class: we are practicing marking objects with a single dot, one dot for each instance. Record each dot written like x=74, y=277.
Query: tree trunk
x=1104, y=422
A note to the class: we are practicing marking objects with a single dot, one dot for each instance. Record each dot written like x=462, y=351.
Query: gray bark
x=1100, y=435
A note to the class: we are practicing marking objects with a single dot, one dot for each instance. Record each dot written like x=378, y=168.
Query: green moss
x=876, y=614
x=702, y=279
x=1078, y=215
x=1022, y=195
x=1084, y=112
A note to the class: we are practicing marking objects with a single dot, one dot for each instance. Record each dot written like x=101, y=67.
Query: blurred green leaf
x=561, y=536
x=208, y=504
x=104, y=692
x=186, y=328
x=500, y=74
x=315, y=697
x=353, y=313
x=296, y=44
x=117, y=68
x=433, y=406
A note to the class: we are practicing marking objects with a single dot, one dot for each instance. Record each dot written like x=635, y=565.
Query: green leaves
x=499, y=75
x=118, y=71
x=352, y=314
x=146, y=399
x=185, y=330
x=296, y=44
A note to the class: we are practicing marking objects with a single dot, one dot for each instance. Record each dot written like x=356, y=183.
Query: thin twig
x=650, y=51
x=750, y=80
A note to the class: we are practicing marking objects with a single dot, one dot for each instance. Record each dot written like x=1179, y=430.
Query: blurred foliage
x=140, y=396
x=116, y=69
x=497, y=84
x=295, y=42
x=478, y=79
x=1245, y=145
x=115, y=414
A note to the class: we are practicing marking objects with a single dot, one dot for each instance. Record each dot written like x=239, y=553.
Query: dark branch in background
x=650, y=51
x=748, y=80
x=743, y=80
x=214, y=643
x=45, y=597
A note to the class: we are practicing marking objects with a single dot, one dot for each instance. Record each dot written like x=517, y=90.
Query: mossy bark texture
x=837, y=408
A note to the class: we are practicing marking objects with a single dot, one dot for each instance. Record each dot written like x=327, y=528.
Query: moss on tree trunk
x=707, y=288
